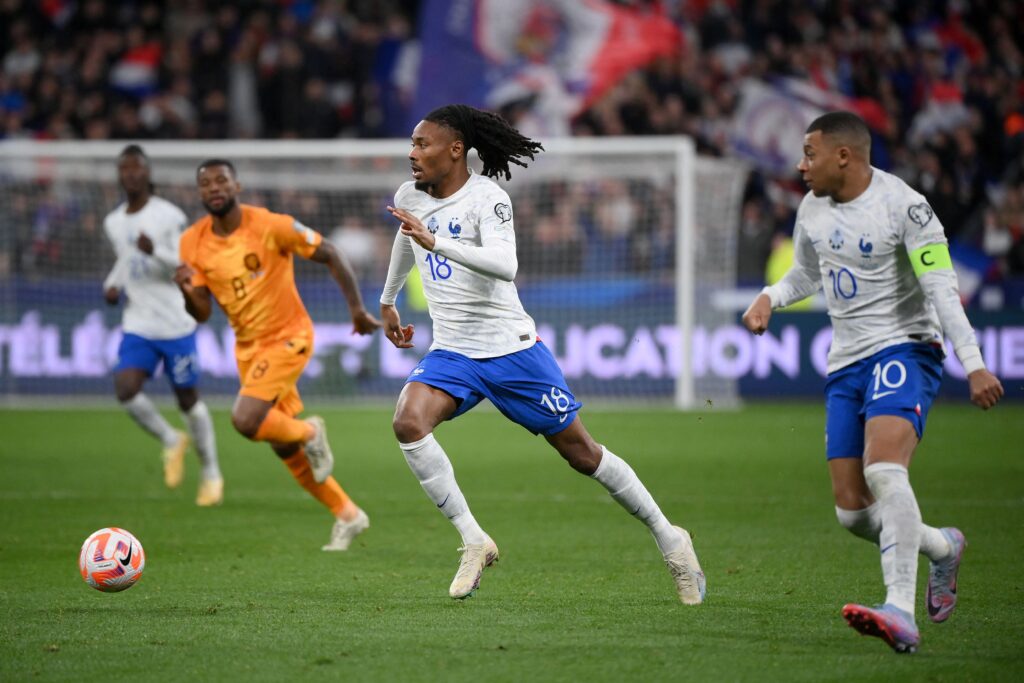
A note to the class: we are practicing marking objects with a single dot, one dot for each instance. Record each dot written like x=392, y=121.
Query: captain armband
x=929, y=258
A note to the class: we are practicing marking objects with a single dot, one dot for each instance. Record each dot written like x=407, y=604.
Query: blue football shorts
x=901, y=380
x=526, y=386
x=178, y=356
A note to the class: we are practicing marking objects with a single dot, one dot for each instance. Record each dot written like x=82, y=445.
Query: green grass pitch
x=243, y=592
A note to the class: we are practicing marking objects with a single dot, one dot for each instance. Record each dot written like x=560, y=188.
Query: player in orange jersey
x=241, y=256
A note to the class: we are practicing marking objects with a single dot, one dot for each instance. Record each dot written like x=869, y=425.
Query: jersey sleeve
x=115, y=278
x=165, y=245
x=402, y=261
x=289, y=234
x=927, y=248
x=803, y=279
x=917, y=224
x=496, y=255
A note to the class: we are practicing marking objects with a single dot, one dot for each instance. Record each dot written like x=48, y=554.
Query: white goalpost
x=623, y=243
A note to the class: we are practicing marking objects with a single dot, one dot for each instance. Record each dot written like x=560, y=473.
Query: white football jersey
x=857, y=251
x=155, y=307
x=475, y=313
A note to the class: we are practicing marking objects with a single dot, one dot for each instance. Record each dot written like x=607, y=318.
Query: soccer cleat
x=318, y=451
x=888, y=622
x=475, y=557
x=685, y=569
x=941, y=595
x=211, y=492
x=344, y=532
x=174, y=461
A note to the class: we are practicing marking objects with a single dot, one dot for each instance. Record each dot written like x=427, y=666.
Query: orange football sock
x=329, y=493
x=281, y=428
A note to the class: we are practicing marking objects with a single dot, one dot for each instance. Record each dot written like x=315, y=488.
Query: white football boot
x=344, y=532
x=475, y=557
x=685, y=569
x=318, y=451
x=174, y=461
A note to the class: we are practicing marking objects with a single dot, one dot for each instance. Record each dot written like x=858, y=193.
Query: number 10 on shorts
x=557, y=402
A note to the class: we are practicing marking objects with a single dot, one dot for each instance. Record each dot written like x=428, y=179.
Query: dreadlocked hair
x=495, y=140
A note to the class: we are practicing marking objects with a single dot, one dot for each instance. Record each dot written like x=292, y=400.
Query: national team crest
x=455, y=229
x=252, y=262
x=865, y=246
x=836, y=240
x=432, y=225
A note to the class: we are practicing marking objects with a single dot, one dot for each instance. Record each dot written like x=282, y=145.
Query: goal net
x=622, y=243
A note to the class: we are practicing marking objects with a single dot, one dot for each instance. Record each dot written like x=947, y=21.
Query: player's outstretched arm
x=400, y=336
x=198, y=301
x=341, y=271
x=934, y=269
x=758, y=314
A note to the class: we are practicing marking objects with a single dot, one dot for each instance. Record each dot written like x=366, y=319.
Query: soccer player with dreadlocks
x=456, y=227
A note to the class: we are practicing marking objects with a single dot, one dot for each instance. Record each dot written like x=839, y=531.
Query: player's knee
x=187, y=398
x=126, y=390
x=246, y=424
x=409, y=427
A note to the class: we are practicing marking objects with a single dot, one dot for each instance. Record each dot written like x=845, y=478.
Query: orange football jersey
x=251, y=273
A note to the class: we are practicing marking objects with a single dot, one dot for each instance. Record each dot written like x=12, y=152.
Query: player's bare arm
x=758, y=314
x=341, y=271
x=198, y=301
x=413, y=227
x=400, y=336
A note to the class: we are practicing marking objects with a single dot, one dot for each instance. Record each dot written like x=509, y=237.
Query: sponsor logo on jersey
x=920, y=214
x=503, y=211
x=835, y=240
x=432, y=225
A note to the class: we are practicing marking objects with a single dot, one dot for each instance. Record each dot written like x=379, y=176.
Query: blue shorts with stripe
x=900, y=380
x=526, y=386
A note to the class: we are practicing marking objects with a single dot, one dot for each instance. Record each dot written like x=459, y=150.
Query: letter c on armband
x=930, y=257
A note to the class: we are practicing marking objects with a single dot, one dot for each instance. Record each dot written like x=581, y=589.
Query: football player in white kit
x=879, y=252
x=457, y=228
x=144, y=231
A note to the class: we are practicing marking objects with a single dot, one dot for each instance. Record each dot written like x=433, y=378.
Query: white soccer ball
x=111, y=560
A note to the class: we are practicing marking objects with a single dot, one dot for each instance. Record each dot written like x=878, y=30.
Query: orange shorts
x=270, y=370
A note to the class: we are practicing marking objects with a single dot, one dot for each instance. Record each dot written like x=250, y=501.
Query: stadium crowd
x=942, y=83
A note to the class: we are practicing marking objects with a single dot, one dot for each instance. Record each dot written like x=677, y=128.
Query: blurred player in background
x=242, y=256
x=144, y=232
x=880, y=253
x=456, y=227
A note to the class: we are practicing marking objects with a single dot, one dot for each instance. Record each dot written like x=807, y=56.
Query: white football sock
x=900, y=538
x=628, y=491
x=201, y=426
x=433, y=469
x=149, y=418
x=867, y=524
